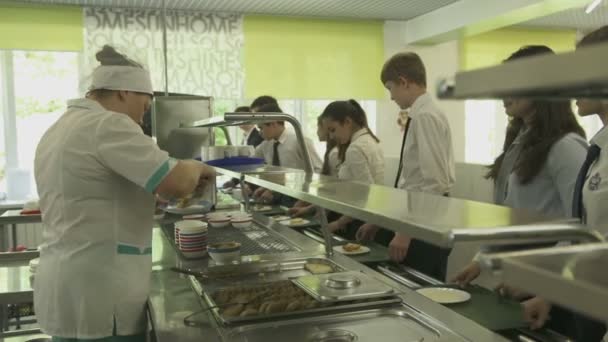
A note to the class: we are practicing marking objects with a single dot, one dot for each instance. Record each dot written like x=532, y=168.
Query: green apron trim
x=132, y=250
x=158, y=176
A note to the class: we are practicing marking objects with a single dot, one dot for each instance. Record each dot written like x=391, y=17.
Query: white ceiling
x=574, y=19
x=360, y=9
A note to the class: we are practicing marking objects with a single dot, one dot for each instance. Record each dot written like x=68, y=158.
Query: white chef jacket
x=364, y=160
x=595, y=190
x=246, y=136
x=290, y=153
x=95, y=172
x=428, y=156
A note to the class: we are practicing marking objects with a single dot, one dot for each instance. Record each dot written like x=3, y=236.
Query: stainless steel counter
x=172, y=298
x=436, y=219
x=572, y=276
x=15, y=284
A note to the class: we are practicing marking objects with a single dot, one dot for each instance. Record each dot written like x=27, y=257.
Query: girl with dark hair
x=543, y=151
x=363, y=159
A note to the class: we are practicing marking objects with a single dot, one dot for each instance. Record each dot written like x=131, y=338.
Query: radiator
x=28, y=235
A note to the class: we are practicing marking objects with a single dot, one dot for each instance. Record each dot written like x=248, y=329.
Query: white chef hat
x=118, y=72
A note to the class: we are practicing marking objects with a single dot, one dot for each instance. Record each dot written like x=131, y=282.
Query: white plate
x=299, y=223
x=362, y=250
x=262, y=208
x=445, y=295
x=280, y=218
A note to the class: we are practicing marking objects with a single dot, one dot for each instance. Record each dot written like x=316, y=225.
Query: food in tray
x=277, y=297
x=261, y=207
x=351, y=247
x=318, y=268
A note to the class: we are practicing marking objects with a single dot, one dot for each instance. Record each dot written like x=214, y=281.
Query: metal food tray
x=254, y=240
x=260, y=272
x=325, y=308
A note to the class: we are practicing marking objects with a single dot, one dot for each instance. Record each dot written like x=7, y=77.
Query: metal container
x=389, y=324
x=344, y=286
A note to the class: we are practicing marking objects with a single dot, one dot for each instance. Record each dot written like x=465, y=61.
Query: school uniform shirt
x=253, y=138
x=428, y=156
x=595, y=190
x=334, y=161
x=364, y=160
x=550, y=192
x=290, y=152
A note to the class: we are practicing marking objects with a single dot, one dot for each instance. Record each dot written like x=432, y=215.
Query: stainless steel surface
x=172, y=298
x=171, y=113
x=345, y=286
x=538, y=76
x=11, y=205
x=234, y=119
x=572, y=276
x=436, y=219
x=254, y=240
x=327, y=235
x=15, y=285
x=385, y=324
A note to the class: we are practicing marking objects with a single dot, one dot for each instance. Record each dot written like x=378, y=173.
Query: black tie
x=407, y=128
x=577, y=200
x=276, y=161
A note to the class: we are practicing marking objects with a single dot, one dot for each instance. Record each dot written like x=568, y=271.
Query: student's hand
x=366, y=232
x=398, y=247
x=511, y=292
x=468, y=274
x=536, y=312
x=336, y=226
x=258, y=193
x=245, y=188
x=299, y=211
x=228, y=184
x=266, y=197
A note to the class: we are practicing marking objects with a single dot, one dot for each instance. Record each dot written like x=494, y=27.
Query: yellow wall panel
x=313, y=58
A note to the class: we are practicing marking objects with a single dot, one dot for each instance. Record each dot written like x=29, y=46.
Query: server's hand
x=470, y=273
x=536, y=312
x=366, y=232
x=206, y=177
x=398, y=247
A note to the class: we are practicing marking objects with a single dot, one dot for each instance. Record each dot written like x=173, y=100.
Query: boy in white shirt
x=426, y=160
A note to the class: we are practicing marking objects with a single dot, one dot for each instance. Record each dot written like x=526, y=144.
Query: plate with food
x=261, y=207
x=352, y=249
x=445, y=295
x=295, y=222
x=187, y=208
x=279, y=218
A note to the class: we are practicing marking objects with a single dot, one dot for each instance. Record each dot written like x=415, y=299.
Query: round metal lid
x=342, y=281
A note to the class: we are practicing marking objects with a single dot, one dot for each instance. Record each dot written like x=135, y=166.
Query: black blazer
x=255, y=138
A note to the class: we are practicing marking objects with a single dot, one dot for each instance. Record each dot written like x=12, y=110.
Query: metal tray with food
x=263, y=272
x=275, y=300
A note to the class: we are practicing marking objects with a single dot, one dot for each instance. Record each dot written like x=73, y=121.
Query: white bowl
x=219, y=223
x=191, y=226
x=225, y=252
x=241, y=222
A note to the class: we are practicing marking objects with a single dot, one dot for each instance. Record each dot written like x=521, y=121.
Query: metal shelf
x=436, y=219
x=236, y=119
x=572, y=276
x=568, y=75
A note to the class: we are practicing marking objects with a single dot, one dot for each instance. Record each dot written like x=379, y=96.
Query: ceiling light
x=592, y=6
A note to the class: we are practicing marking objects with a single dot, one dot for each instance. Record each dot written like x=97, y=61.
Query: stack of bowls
x=192, y=237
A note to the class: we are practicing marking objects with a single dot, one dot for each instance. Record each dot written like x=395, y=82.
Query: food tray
x=282, y=297
x=262, y=272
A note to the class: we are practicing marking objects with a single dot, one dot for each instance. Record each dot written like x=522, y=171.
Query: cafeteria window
x=485, y=126
x=34, y=94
